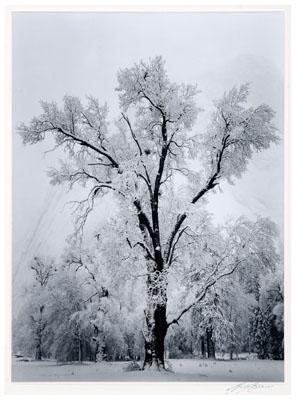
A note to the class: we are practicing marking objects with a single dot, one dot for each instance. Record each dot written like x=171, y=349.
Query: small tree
x=138, y=162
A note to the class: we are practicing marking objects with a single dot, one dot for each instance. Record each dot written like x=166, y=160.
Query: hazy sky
x=80, y=53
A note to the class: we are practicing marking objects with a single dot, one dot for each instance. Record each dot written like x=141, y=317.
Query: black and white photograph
x=148, y=196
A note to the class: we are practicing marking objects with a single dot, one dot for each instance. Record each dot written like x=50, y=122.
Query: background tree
x=33, y=327
x=139, y=160
x=267, y=324
x=221, y=319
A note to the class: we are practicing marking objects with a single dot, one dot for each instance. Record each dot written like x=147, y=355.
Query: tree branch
x=211, y=183
x=143, y=220
x=171, y=255
x=203, y=293
x=147, y=178
x=152, y=103
x=150, y=256
x=180, y=219
x=84, y=143
x=125, y=117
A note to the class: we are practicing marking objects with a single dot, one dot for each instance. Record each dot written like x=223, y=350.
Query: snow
x=184, y=370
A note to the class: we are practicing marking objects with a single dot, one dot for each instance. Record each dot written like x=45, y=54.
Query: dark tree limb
x=173, y=247
x=203, y=293
x=84, y=143
x=149, y=255
x=125, y=117
x=211, y=183
x=180, y=219
x=143, y=220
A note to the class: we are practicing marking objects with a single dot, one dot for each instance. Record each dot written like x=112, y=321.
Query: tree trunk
x=154, y=338
x=79, y=350
x=100, y=347
x=38, y=353
x=155, y=320
x=210, y=343
x=39, y=326
x=203, y=347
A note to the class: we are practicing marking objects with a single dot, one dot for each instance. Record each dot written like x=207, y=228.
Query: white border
x=138, y=388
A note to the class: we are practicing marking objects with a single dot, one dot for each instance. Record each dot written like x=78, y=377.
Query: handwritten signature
x=247, y=387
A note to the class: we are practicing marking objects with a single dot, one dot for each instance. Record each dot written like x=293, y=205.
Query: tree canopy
x=138, y=159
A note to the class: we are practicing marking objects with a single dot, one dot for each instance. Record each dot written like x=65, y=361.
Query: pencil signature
x=248, y=387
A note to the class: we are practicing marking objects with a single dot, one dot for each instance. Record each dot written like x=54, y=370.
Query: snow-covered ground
x=184, y=370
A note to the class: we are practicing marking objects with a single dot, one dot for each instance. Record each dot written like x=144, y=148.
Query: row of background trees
x=75, y=311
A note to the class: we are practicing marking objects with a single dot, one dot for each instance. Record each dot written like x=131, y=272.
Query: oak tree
x=138, y=160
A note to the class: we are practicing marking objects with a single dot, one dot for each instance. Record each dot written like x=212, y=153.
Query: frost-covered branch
x=203, y=293
x=149, y=255
x=233, y=135
x=125, y=117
